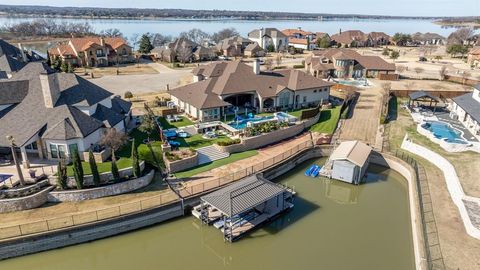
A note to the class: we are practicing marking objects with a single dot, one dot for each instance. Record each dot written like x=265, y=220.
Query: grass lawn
x=197, y=141
x=102, y=167
x=216, y=164
x=328, y=121
x=166, y=125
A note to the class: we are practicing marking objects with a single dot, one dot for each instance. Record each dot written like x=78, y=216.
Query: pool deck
x=444, y=117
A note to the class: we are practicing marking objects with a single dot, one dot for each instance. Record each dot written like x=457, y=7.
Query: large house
x=300, y=39
x=467, y=108
x=346, y=63
x=269, y=38
x=221, y=86
x=473, y=58
x=50, y=114
x=93, y=51
x=13, y=58
x=428, y=39
x=233, y=46
x=183, y=50
x=357, y=38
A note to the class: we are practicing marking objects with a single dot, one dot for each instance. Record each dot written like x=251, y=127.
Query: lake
x=174, y=26
x=333, y=225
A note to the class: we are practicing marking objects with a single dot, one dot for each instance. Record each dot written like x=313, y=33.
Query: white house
x=50, y=114
x=269, y=36
x=221, y=86
x=467, y=109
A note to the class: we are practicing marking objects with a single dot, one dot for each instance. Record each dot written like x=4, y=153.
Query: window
x=304, y=99
x=124, y=51
x=314, y=91
x=57, y=150
x=32, y=146
x=72, y=148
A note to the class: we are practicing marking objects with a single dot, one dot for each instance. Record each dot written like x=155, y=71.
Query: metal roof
x=353, y=151
x=243, y=195
x=422, y=94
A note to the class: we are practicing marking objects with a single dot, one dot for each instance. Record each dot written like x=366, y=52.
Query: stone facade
x=181, y=165
x=24, y=203
x=100, y=192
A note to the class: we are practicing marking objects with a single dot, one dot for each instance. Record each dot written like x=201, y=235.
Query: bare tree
x=442, y=72
x=134, y=39
x=113, y=139
x=111, y=32
x=386, y=88
x=418, y=70
x=159, y=39
x=196, y=35
x=460, y=36
x=184, y=54
x=224, y=33
x=401, y=68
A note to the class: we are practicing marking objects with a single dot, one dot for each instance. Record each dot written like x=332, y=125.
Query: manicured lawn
x=216, y=164
x=197, y=141
x=166, y=125
x=102, y=167
x=328, y=121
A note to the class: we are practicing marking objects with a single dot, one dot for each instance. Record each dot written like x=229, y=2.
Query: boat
x=316, y=171
x=312, y=169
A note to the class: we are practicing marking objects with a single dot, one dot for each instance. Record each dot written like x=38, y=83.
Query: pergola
x=423, y=97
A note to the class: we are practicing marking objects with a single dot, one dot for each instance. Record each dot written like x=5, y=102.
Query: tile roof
x=236, y=77
x=83, y=43
x=302, y=41
x=293, y=32
x=243, y=195
x=64, y=120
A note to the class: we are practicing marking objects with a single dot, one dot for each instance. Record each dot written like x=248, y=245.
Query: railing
x=46, y=225
x=432, y=247
x=192, y=190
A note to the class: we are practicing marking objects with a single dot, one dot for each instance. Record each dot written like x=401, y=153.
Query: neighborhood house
x=183, y=50
x=466, y=108
x=50, y=114
x=93, y=51
x=221, y=87
x=269, y=38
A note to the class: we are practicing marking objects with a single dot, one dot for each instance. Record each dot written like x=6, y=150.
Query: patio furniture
x=170, y=118
x=183, y=134
x=177, y=118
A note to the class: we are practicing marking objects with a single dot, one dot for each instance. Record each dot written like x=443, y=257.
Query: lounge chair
x=177, y=118
x=170, y=118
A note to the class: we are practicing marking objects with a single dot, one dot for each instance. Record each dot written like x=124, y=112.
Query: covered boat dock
x=244, y=205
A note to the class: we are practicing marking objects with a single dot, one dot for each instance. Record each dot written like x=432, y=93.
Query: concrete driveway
x=143, y=83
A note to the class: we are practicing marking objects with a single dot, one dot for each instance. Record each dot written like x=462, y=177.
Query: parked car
x=223, y=58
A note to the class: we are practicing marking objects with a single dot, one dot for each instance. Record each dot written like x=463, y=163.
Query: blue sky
x=383, y=7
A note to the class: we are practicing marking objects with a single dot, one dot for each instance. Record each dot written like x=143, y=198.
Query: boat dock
x=244, y=206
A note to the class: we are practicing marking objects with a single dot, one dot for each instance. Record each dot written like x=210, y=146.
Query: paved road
x=144, y=83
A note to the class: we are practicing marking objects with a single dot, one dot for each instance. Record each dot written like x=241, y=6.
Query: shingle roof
x=10, y=64
x=81, y=44
x=121, y=106
x=10, y=50
x=64, y=120
x=347, y=37
x=421, y=94
x=353, y=151
x=253, y=47
x=12, y=92
x=271, y=32
x=469, y=105
x=243, y=195
x=237, y=77
x=368, y=62
x=107, y=115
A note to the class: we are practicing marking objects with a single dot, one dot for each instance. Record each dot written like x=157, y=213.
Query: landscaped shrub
x=93, y=168
x=115, y=173
x=77, y=169
x=135, y=162
x=62, y=175
x=229, y=142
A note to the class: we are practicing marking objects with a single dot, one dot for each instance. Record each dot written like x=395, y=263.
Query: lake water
x=174, y=26
x=333, y=225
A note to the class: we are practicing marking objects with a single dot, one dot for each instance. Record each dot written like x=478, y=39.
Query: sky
x=368, y=7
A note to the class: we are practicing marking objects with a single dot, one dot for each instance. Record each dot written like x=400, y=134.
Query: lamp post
x=15, y=160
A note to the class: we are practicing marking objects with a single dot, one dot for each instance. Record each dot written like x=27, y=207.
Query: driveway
x=144, y=83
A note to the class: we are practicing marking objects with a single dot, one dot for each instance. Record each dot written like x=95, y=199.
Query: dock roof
x=354, y=151
x=243, y=195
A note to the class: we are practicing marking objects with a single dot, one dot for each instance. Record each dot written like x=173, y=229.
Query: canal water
x=333, y=226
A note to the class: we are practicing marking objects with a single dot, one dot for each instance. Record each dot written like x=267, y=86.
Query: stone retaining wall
x=99, y=192
x=17, y=192
x=181, y=165
x=24, y=203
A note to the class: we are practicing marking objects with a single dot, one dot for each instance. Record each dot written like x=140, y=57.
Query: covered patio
x=422, y=101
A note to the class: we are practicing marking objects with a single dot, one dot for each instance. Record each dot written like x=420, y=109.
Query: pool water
x=444, y=131
x=5, y=177
x=242, y=124
x=359, y=83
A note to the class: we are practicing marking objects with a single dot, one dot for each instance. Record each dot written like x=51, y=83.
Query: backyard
x=328, y=121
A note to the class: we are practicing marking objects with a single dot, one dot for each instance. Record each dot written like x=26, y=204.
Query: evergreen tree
x=77, y=169
x=135, y=162
x=115, y=173
x=49, y=61
x=62, y=175
x=145, y=44
x=93, y=168
x=323, y=42
x=70, y=68
x=64, y=66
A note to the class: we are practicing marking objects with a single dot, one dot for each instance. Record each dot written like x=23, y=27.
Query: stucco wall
x=180, y=165
x=99, y=192
x=24, y=203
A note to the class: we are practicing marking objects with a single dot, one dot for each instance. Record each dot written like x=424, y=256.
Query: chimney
x=102, y=41
x=340, y=30
x=256, y=66
x=50, y=88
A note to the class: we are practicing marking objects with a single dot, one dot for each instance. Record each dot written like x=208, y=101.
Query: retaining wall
x=24, y=203
x=99, y=192
x=181, y=165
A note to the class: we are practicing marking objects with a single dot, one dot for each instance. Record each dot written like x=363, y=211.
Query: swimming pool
x=444, y=131
x=357, y=83
x=5, y=177
x=241, y=124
